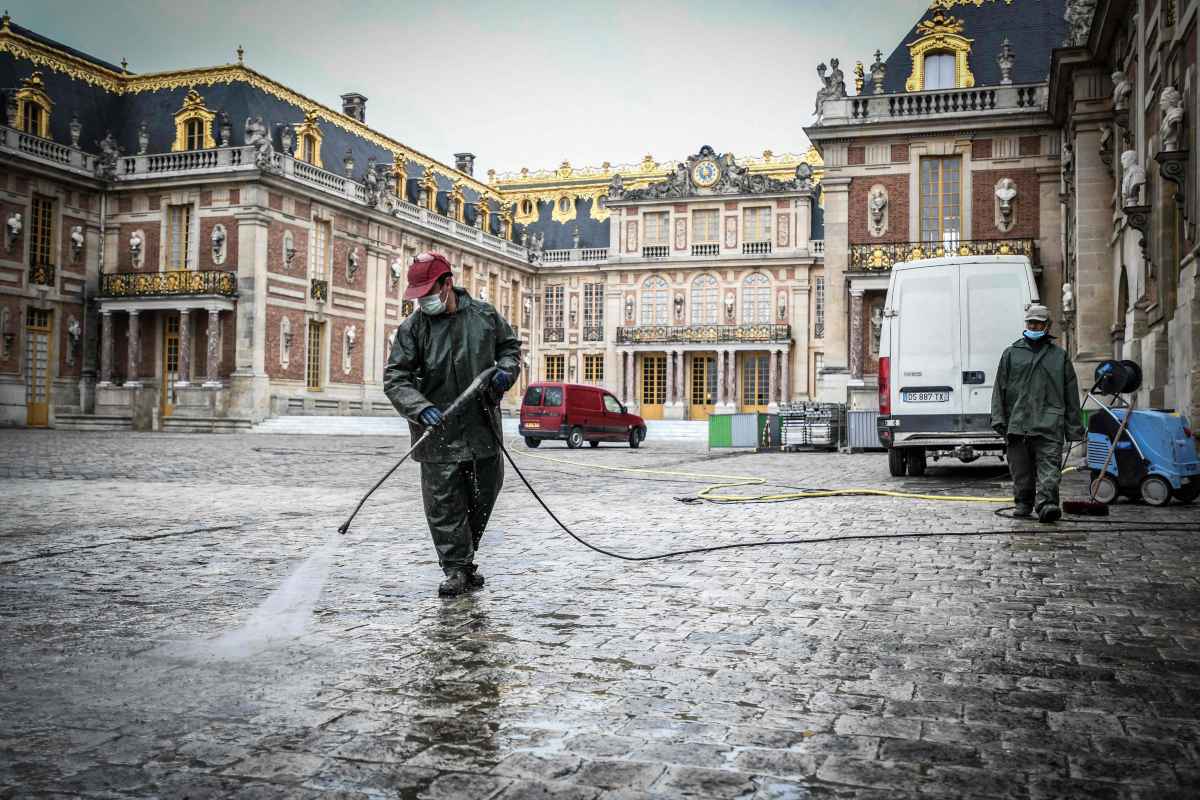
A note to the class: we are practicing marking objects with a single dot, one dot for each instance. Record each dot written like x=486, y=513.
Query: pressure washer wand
x=480, y=382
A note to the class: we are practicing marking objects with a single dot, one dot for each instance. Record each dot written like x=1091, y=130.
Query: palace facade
x=200, y=249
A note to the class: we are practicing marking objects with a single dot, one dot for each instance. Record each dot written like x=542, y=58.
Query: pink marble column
x=720, y=377
x=785, y=378
x=106, y=348
x=214, y=348
x=133, y=362
x=772, y=383
x=185, y=348
x=856, y=334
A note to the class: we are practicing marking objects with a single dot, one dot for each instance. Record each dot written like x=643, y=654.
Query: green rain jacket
x=434, y=360
x=1036, y=393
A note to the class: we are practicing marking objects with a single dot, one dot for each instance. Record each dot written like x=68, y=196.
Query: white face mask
x=432, y=304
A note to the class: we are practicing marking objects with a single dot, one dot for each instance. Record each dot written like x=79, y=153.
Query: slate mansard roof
x=1033, y=29
x=106, y=98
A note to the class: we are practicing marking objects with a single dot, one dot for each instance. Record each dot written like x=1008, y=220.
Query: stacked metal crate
x=812, y=426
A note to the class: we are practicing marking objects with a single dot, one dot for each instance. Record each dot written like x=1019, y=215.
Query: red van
x=578, y=414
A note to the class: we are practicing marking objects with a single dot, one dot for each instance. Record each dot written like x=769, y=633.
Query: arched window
x=31, y=118
x=706, y=301
x=195, y=134
x=33, y=106
x=939, y=71
x=655, y=299
x=756, y=298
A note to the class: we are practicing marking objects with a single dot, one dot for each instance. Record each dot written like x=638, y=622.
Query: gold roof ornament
x=564, y=169
x=940, y=34
x=940, y=23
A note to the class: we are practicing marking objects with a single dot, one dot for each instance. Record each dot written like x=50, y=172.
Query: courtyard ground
x=179, y=618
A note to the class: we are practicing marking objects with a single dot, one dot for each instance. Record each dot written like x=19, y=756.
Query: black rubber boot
x=1022, y=511
x=1049, y=513
x=474, y=579
x=456, y=583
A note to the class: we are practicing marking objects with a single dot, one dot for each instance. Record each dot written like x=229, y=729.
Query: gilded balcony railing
x=165, y=284
x=319, y=290
x=704, y=334
x=42, y=274
x=867, y=257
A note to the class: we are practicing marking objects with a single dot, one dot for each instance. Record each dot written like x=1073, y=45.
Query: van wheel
x=916, y=463
x=1156, y=491
x=897, y=463
x=594, y=443
x=635, y=437
x=575, y=437
x=532, y=442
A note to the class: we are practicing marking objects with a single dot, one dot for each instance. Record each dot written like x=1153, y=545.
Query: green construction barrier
x=720, y=430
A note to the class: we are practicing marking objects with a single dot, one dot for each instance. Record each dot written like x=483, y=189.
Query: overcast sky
x=518, y=83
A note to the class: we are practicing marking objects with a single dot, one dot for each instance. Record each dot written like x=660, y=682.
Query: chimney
x=354, y=105
x=465, y=162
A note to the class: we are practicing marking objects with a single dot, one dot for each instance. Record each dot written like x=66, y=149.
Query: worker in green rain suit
x=1035, y=405
x=437, y=353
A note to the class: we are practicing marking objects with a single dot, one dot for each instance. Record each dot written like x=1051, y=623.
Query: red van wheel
x=575, y=437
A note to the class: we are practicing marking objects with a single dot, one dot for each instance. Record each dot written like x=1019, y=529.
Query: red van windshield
x=543, y=396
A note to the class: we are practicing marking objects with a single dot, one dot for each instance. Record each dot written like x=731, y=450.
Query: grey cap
x=1037, y=312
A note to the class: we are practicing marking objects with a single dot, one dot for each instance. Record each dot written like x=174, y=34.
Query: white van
x=946, y=322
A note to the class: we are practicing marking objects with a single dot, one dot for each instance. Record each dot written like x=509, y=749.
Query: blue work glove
x=502, y=381
x=430, y=417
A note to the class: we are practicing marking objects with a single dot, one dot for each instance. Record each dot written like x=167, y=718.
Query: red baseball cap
x=423, y=273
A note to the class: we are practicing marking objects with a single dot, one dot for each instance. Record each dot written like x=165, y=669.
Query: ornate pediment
x=706, y=174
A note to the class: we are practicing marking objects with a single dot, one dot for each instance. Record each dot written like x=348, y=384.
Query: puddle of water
x=281, y=617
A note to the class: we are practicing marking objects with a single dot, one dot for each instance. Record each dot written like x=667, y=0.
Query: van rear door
x=926, y=378
x=993, y=299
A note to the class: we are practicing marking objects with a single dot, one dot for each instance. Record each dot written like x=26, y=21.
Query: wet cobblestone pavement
x=179, y=619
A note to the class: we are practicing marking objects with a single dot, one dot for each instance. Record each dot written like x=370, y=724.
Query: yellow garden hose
x=711, y=492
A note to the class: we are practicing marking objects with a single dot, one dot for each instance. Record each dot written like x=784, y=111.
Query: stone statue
x=1170, y=130
x=258, y=137
x=225, y=129
x=110, y=151
x=285, y=340
x=878, y=73
x=143, y=138
x=396, y=268
x=1068, y=163
x=1079, y=15
x=678, y=308
x=1122, y=88
x=1006, y=192
x=804, y=173
x=837, y=81
x=218, y=242
x=1068, y=299
x=289, y=249
x=575, y=238
x=729, y=305
x=287, y=138
x=74, y=334
x=823, y=92
x=135, y=247
x=629, y=309
x=616, y=188
x=1132, y=180
x=877, y=205
x=371, y=183
x=876, y=327
x=351, y=336
x=13, y=229
x=536, y=244
x=481, y=215
x=76, y=129
x=76, y=241
x=352, y=264
x=1005, y=61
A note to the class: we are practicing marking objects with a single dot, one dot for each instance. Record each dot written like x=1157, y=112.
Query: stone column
x=134, y=351
x=106, y=348
x=185, y=348
x=631, y=377
x=731, y=377
x=772, y=383
x=831, y=386
x=720, y=378
x=1093, y=257
x=785, y=385
x=856, y=335
x=213, y=381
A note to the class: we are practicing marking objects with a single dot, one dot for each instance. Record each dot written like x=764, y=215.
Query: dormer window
x=939, y=71
x=193, y=124
x=33, y=107
x=309, y=136
x=308, y=149
x=194, y=131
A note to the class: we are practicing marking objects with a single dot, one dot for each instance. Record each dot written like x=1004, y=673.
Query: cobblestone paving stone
x=150, y=651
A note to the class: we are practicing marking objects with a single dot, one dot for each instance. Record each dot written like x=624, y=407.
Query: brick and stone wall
x=897, y=212
x=151, y=234
x=983, y=204
x=337, y=343
x=69, y=361
x=10, y=359
x=231, y=242
x=277, y=259
x=69, y=262
x=296, y=356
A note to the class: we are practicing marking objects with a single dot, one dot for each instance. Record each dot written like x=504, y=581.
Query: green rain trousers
x=458, y=498
x=1036, y=466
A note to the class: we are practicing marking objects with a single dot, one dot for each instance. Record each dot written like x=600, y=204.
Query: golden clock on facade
x=706, y=173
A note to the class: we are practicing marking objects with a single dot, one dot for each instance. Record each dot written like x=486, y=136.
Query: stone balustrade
x=939, y=104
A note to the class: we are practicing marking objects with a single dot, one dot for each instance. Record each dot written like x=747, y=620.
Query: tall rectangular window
x=31, y=118
x=552, y=309
x=819, y=307
x=704, y=226
x=194, y=130
x=939, y=71
x=41, y=230
x=593, y=312
x=316, y=335
x=756, y=224
x=179, y=236
x=656, y=227
x=322, y=244
x=941, y=200
x=593, y=368
x=554, y=367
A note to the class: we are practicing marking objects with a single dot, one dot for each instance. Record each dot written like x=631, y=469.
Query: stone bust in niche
x=877, y=204
x=1006, y=194
x=1132, y=180
x=1170, y=131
